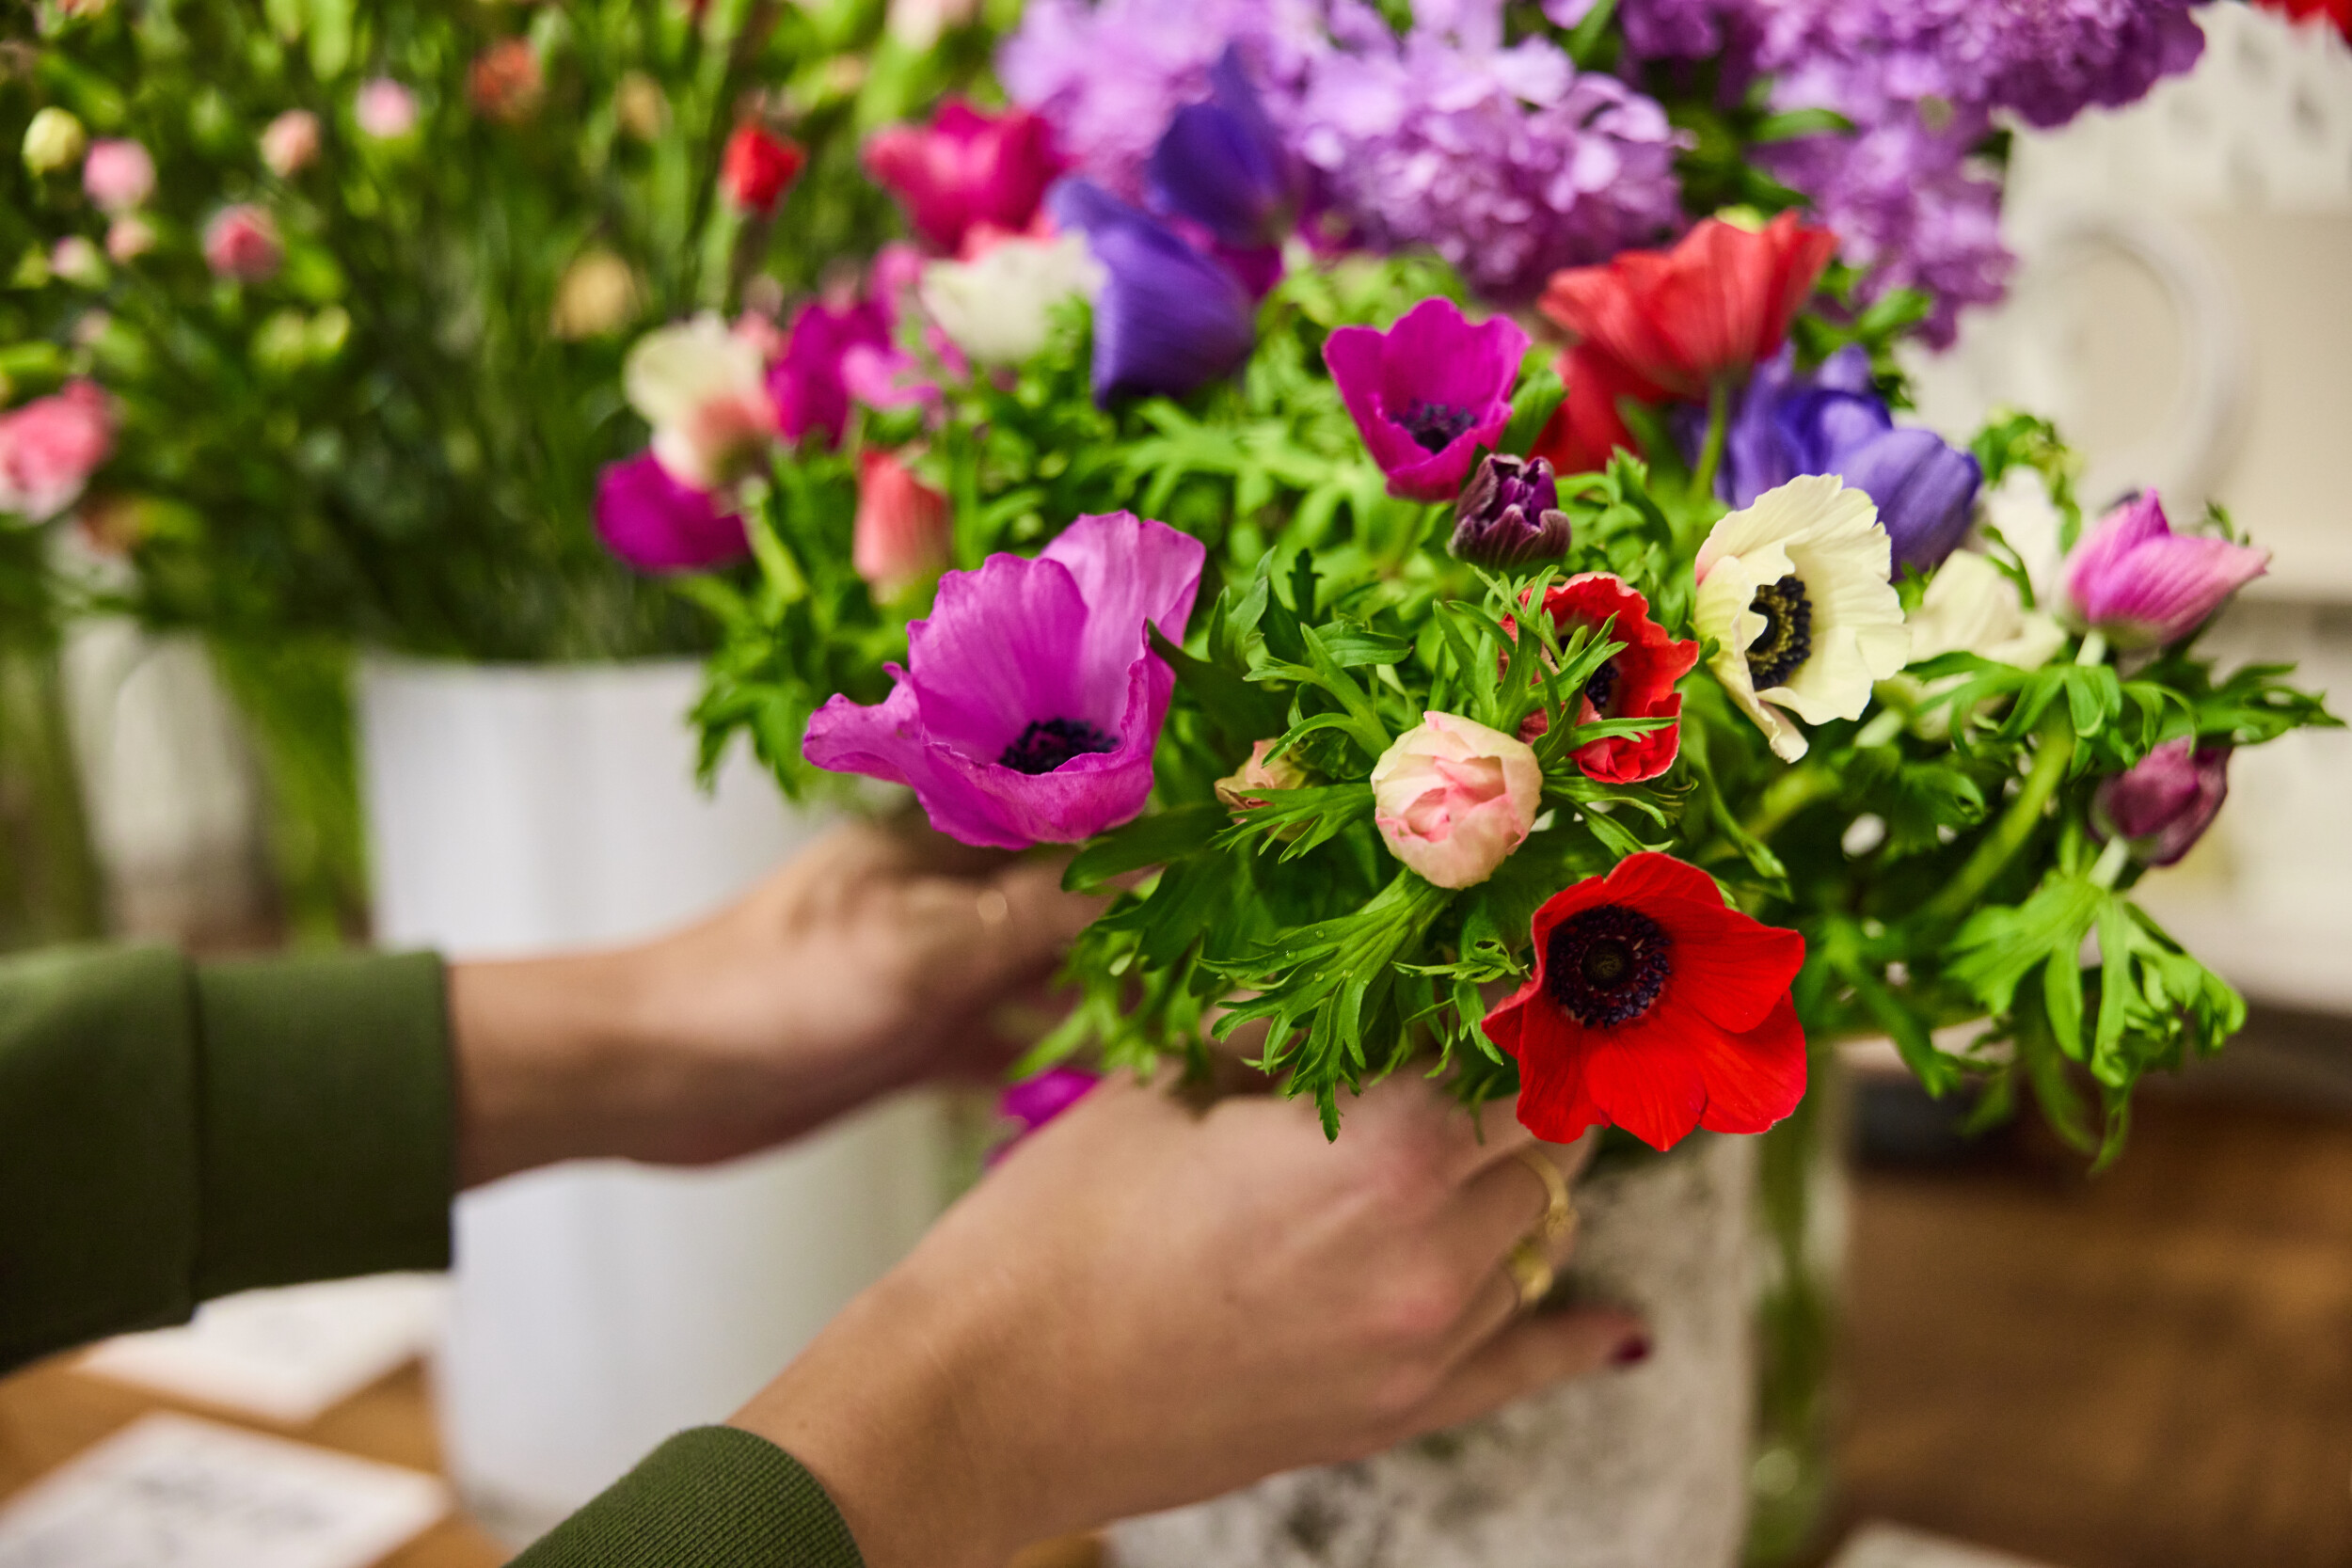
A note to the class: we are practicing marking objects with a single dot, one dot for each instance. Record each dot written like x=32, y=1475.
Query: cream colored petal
x=1807, y=507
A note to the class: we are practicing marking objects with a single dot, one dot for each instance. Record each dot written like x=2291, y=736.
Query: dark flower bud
x=2163, y=804
x=1509, y=514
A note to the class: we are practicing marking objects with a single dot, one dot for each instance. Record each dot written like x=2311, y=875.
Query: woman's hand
x=872, y=960
x=1148, y=1303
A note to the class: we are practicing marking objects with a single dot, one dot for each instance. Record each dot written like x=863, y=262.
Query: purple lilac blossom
x=1031, y=701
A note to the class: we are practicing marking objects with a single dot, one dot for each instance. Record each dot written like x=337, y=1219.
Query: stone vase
x=1640, y=1468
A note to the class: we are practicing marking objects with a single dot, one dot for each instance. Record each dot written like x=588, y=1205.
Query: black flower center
x=1602, y=687
x=1047, y=743
x=1434, y=425
x=1606, y=966
x=1786, y=640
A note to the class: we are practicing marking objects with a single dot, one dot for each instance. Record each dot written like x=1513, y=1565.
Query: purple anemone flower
x=1509, y=514
x=2164, y=802
x=1428, y=392
x=1926, y=490
x=1221, y=163
x=657, y=523
x=1031, y=700
x=1168, y=320
x=808, y=382
x=2140, y=585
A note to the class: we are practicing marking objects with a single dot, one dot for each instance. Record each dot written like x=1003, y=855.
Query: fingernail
x=1633, y=1353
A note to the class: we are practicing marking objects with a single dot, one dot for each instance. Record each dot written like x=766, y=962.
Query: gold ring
x=1559, y=1213
x=1530, y=1271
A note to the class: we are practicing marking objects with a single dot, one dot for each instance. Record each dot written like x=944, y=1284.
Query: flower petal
x=1649, y=1077
x=1129, y=571
x=1729, y=968
x=1756, y=1078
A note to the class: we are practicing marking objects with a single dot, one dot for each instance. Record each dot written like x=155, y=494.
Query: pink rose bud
x=50, y=447
x=384, y=109
x=129, y=237
x=2140, y=585
x=1453, y=798
x=2163, y=804
x=118, y=175
x=241, y=243
x=1240, y=790
x=77, y=260
x=903, y=531
x=291, y=142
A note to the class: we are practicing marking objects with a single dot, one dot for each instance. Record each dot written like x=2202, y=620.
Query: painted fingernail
x=1633, y=1353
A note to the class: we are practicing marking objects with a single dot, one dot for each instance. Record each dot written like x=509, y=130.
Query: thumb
x=1533, y=1354
x=1002, y=930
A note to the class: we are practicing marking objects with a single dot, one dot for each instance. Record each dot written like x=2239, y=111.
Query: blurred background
x=2149, y=1367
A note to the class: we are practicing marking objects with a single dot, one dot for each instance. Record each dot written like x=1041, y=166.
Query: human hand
x=1148, y=1303
x=871, y=960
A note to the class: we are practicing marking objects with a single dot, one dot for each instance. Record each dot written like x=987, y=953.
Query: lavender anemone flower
x=1510, y=515
x=1168, y=318
x=2162, y=805
x=656, y=523
x=1428, y=392
x=1031, y=700
x=1221, y=163
x=2138, y=585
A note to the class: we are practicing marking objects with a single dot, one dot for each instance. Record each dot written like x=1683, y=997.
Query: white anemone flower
x=1793, y=591
x=1973, y=606
x=998, y=307
x=704, y=390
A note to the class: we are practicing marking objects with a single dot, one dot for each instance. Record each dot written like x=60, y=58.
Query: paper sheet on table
x=173, y=1492
x=1896, y=1546
x=286, y=1355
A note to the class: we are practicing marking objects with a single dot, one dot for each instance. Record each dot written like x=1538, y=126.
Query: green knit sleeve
x=172, y=1131
x=712, y=1497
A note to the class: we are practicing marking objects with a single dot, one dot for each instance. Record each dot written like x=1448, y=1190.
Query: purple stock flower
x=1168, y=318
x=1031, y=700
x=1428, y=392
x=2140, y=585
x=1221, y=163
x=2163, y=804
x=1510, y=515
x=807, y=382
x=657, y=523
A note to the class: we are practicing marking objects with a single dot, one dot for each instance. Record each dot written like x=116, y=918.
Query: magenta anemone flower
x=1428, y=392
x=659, y=524
x=808, y=383
x=1031, y=700
x=2164, y=802
x=968, y=175
x=2140, y=585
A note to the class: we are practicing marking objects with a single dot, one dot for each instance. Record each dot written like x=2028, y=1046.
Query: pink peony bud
x=118, y=175
x=1240, y=790
x=2140, y=585
x=77, y=260
x=241, y=243
x=384, y=109
x=2165, y=801
x=903, y=531
x=1453, y=798
x=129, y=237
x=50, y=447
x=291, y=142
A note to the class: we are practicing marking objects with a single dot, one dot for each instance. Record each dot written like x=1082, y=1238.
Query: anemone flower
x=808, y=383
x=968, y=176
x=1656, y=1007
x=1453, y=798
x=1166, y=319
x=2164, y=802
x=1637, y=682
x=1031, y=700
x=1428, y=392
x=658, y=523
x=1587, y=429
x=701, y=387
x=1221, y=163
x=2138, y=585
x=1509, y=514
x=1794, y=593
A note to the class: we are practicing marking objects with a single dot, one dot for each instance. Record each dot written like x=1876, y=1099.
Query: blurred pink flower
x=129, y=236
x=968, y=175
x=118, y=175
x=76, y=260
x=904, y=531
x=2164, y=802
x=241, y=243
x=2140, y=585
x=384, y=109
x=657, y=524
x=1453, y=799
x=701, y=387
x=50, y=447
x=505, y=81
x=291, y=142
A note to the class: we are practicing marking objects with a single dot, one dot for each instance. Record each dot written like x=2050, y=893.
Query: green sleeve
x=712, y=1497
x=170, y=1132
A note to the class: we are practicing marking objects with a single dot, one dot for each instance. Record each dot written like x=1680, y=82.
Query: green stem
x=1786, y=796
x=2111, y=862
x=1718, y=432
x=2095, y=648
x=1879, y=730
x=2054, y=755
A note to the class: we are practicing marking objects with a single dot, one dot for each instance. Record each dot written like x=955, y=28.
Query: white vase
x=599, y=1307
x=1644, y=1467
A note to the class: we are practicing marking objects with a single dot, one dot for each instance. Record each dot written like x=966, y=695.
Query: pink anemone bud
x=129, y=237
x=384, y=109
x=2140, y=585
x=1242, y=789
x=290, y=143
x=50, y=447
x=241, y=243
x=2164, y=802
x=904, y=530
x=1453, y=798
x=118, y=175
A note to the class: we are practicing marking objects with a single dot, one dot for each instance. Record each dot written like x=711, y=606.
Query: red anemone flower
x=757, y=168
x=1706, y=312
x=1654, y=1007
x=1587, y=430
x=1637, y=682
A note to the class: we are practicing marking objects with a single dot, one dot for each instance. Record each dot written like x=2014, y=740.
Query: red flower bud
x=759, y=167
